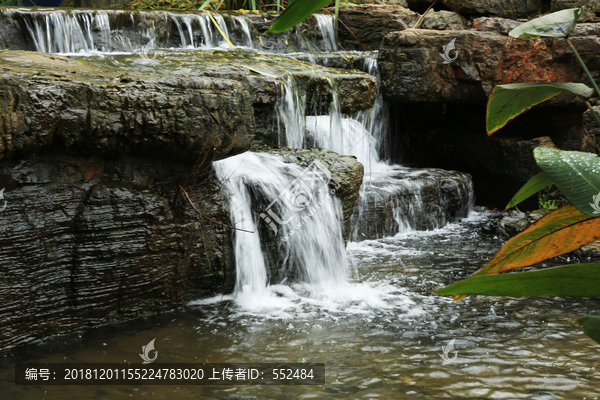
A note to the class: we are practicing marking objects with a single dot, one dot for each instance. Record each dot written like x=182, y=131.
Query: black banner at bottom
x=169, y=374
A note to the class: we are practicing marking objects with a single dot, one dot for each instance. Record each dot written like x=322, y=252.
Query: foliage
x=298, y=11
x=545, y=203
x=533, y=186
x=557, y=24
x=563, y=230
x=9, y=3
x=509, y=101
x=580, y=280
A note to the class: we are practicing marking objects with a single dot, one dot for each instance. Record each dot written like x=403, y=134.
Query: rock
x=591, y=127
x=346, y=171
x=498, y=25
x=513, y=223
x=593, y=6
x=50, y=101
x=444, y=20
x=370, y=23
x=202, y=108
x=90, y=241
x=498, y=8
x=412, y=69
x=591, y=250
x=422, y=199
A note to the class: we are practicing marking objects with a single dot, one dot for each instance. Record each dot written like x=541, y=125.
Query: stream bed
x=380, y=336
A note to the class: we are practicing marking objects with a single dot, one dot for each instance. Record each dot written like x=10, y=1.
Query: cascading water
x=393, y=198
x=326, y=26
x=302, y=212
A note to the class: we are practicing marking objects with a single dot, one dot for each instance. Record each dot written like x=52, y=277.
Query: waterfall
x=327, y=28
x=393, y=199
x=247, y=36
x=302, y=213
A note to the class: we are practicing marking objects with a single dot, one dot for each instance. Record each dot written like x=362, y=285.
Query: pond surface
x=380, y=337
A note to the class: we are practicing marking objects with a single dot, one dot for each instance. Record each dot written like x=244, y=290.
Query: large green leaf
x=591, y=327
x=576, y=174
x=534, y=185
x=559, y=232
x=295, y=13
x=557, y=24
x=508, y=101
x=582, y=280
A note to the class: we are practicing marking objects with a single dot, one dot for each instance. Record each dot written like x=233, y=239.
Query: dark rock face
x=88, y=241
x=498, y=8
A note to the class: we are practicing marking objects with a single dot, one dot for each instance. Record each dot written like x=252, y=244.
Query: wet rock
x=513, y=223
x=591, y=250
x=347, y=60
x=54, y=102
x=499, y=8
x=90, y=241
x=422, y=199
x=370, y=23
x=346, y=171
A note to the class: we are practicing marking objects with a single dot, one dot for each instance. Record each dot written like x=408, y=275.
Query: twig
x=352, y=33
x=422, y=16
x=211, y=220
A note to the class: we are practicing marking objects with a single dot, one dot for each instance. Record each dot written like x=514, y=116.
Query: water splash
x=308, y=232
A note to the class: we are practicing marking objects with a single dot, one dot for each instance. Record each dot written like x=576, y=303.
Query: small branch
x=422, y=16
x=202, y=216
x=352, y=33
x=594, y=113
x=584, y=67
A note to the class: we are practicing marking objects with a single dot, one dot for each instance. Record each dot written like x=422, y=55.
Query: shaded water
x=381, y=339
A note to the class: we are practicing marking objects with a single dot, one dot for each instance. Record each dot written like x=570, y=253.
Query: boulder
x=406, y=199
x=444, y=20
x=496, y=8
x=412, y=69
x=364, y=27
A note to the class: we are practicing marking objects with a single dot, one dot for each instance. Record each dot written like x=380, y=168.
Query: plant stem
x=337, y=18
x=594, y=113
x=584, y=67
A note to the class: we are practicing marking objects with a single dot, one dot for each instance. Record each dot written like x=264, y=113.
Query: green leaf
x=534, y=185
x=576, y=174
x=559, y=232
x=296, y=13
x=591, y=327
x=509, y=101
x=557, y=24
x=581, y=280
